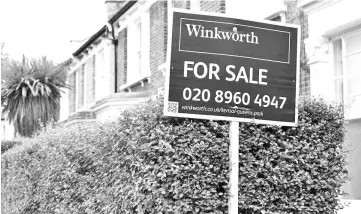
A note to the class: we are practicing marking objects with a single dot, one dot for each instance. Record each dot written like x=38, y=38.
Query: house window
x=195, y=5
x=81, y=87
x=90, y=80
x=138, y=49
x=347, y=73
x=135, y=64
x=100, y=90
x=72, y=92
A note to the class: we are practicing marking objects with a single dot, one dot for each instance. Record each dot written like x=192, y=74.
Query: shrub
x=30, y=93
x=148, y=163
x=8, y=144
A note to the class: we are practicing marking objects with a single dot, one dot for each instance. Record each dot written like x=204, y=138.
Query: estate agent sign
x=232, y=69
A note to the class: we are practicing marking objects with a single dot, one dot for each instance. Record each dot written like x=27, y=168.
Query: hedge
x=147, y=163
x=8, y=144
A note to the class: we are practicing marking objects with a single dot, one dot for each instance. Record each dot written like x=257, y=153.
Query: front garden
x=147, y=163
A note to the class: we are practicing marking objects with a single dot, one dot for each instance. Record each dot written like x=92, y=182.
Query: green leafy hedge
x=148, y=163
x=8, y=144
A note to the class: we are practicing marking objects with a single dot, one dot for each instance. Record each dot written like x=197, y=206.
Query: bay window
x=347, y=72
x=138, y=48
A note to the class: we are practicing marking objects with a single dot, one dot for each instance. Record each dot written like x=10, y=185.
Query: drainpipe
x=115, y=42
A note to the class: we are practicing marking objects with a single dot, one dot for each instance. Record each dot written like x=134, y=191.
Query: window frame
x=138, y=52
x=344, y=74
x=195, y=5
x=144, y=48
x=99, y=74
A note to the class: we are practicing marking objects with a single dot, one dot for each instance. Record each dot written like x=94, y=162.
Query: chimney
x=113, y=6
x=291, y=5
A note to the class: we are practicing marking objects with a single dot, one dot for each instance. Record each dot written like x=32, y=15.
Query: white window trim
x=86, y=70
x=98, y=76
x=135, y=55
x=88, y=106
x=312, y=6
x=78, y=91
x=195, y=5
x=95, y=49
x=136, y=11
x=145, y=48
x=334, y=77
x=344, y=55
x=344, y=73
x=127, y=87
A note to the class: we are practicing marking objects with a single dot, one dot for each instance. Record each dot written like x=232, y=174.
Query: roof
x=124, y=9
x=90, y=41
x=113, y=19
x=66, y=63
x=274, y=15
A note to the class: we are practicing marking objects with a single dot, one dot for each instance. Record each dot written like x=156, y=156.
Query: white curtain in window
x=337, y=50
x=134, y=51
x=138, y=50
x=100, y=90
x=352, y=74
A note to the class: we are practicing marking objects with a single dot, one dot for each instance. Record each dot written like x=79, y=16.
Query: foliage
x=4, y=57
x=30, y=93
x=8, y=144
x=148, y=163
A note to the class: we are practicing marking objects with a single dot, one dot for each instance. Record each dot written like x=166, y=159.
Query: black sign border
x=212, y=117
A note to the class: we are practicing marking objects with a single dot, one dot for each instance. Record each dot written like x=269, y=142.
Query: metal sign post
x=233, y=167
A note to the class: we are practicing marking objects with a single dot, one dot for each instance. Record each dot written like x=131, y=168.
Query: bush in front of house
x=8, y=144
x=294, y=170
x=147, y=163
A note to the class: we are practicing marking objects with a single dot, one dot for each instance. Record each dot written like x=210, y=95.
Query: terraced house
x=333, y=50
x=123, y=63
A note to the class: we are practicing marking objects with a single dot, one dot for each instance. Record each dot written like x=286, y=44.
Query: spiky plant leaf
x=31, y=94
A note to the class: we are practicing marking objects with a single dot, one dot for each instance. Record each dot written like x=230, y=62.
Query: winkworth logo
x=200, y=31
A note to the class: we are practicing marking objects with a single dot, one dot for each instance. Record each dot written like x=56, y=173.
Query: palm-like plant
x=31, y=93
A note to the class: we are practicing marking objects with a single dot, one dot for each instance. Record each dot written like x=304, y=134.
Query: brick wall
x=295, y=15
x=158, y=41
x=183, y=4
x=122, y=58
x=218, y=6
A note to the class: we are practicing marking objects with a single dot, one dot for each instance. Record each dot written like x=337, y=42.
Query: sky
x=46, y=27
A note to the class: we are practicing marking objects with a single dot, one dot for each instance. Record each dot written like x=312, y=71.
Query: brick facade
x=158, y=35
x=158, y=41
x=158, y=24
x=122, y=58
x=295, y=15
x=182, y=4
x=158, y=13
x=218, y=6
